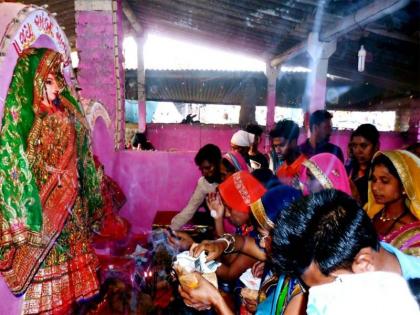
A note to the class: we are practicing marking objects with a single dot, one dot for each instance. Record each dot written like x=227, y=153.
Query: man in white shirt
x=208, y=161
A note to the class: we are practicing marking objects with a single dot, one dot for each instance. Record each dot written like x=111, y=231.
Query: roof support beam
x=394, y=35
x=131, y=17
x=272, y=74
x=363, y=16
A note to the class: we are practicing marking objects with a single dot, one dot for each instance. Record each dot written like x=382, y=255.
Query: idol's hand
x=213, y=249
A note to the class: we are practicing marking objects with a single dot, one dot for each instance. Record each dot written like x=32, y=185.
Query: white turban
x=242, y=138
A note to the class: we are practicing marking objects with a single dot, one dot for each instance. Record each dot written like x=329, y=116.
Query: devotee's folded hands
x=204, y=296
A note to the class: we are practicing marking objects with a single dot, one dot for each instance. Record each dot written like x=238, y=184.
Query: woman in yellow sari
x=49, y=189
x=394, y=199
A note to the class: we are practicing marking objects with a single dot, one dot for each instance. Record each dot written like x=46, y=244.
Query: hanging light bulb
x=362, y=58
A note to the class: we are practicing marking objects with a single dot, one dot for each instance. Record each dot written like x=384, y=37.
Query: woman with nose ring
x=394, y=199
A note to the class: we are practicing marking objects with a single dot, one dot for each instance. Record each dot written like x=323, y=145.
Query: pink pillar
x=142, y=115
x=101, y=73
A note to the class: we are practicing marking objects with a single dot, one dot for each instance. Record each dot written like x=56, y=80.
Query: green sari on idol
x=49, y=190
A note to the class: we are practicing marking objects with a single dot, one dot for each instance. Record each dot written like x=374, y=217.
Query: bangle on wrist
x=230, y=240
x=224, y=240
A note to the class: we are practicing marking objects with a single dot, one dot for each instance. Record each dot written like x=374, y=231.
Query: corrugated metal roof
x=236, y=87
x=201, y=86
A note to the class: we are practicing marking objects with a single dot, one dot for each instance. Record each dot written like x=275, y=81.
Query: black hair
x=260, y=159
x=254, y=129
x=318, y=117
x=413, y=147
x=414, y=285
x=285, y=128
x=266, y=177
x=210, y=153
x=382, y=159
x=140, y=139
x=367, y=131
x=328, y=228
x=228, y=165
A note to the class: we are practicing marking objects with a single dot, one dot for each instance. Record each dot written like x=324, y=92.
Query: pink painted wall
x=177, y=137
x=164, y=180
x=151, y=181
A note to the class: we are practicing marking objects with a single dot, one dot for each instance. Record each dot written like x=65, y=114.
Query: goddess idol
x=49, y=189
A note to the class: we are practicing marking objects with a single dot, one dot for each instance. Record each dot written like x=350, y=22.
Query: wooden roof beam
x=393, y=35
x=363, y=16
x=131, y=17
x=375, y=79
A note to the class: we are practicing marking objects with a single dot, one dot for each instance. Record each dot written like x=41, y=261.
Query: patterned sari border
x=257, y=209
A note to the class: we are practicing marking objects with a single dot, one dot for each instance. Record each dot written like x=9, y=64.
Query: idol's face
x=51, y=89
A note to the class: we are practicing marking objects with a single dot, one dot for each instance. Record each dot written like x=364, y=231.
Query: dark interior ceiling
x=270, y=27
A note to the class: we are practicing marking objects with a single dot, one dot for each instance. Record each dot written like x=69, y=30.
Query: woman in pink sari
x=324, y=171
